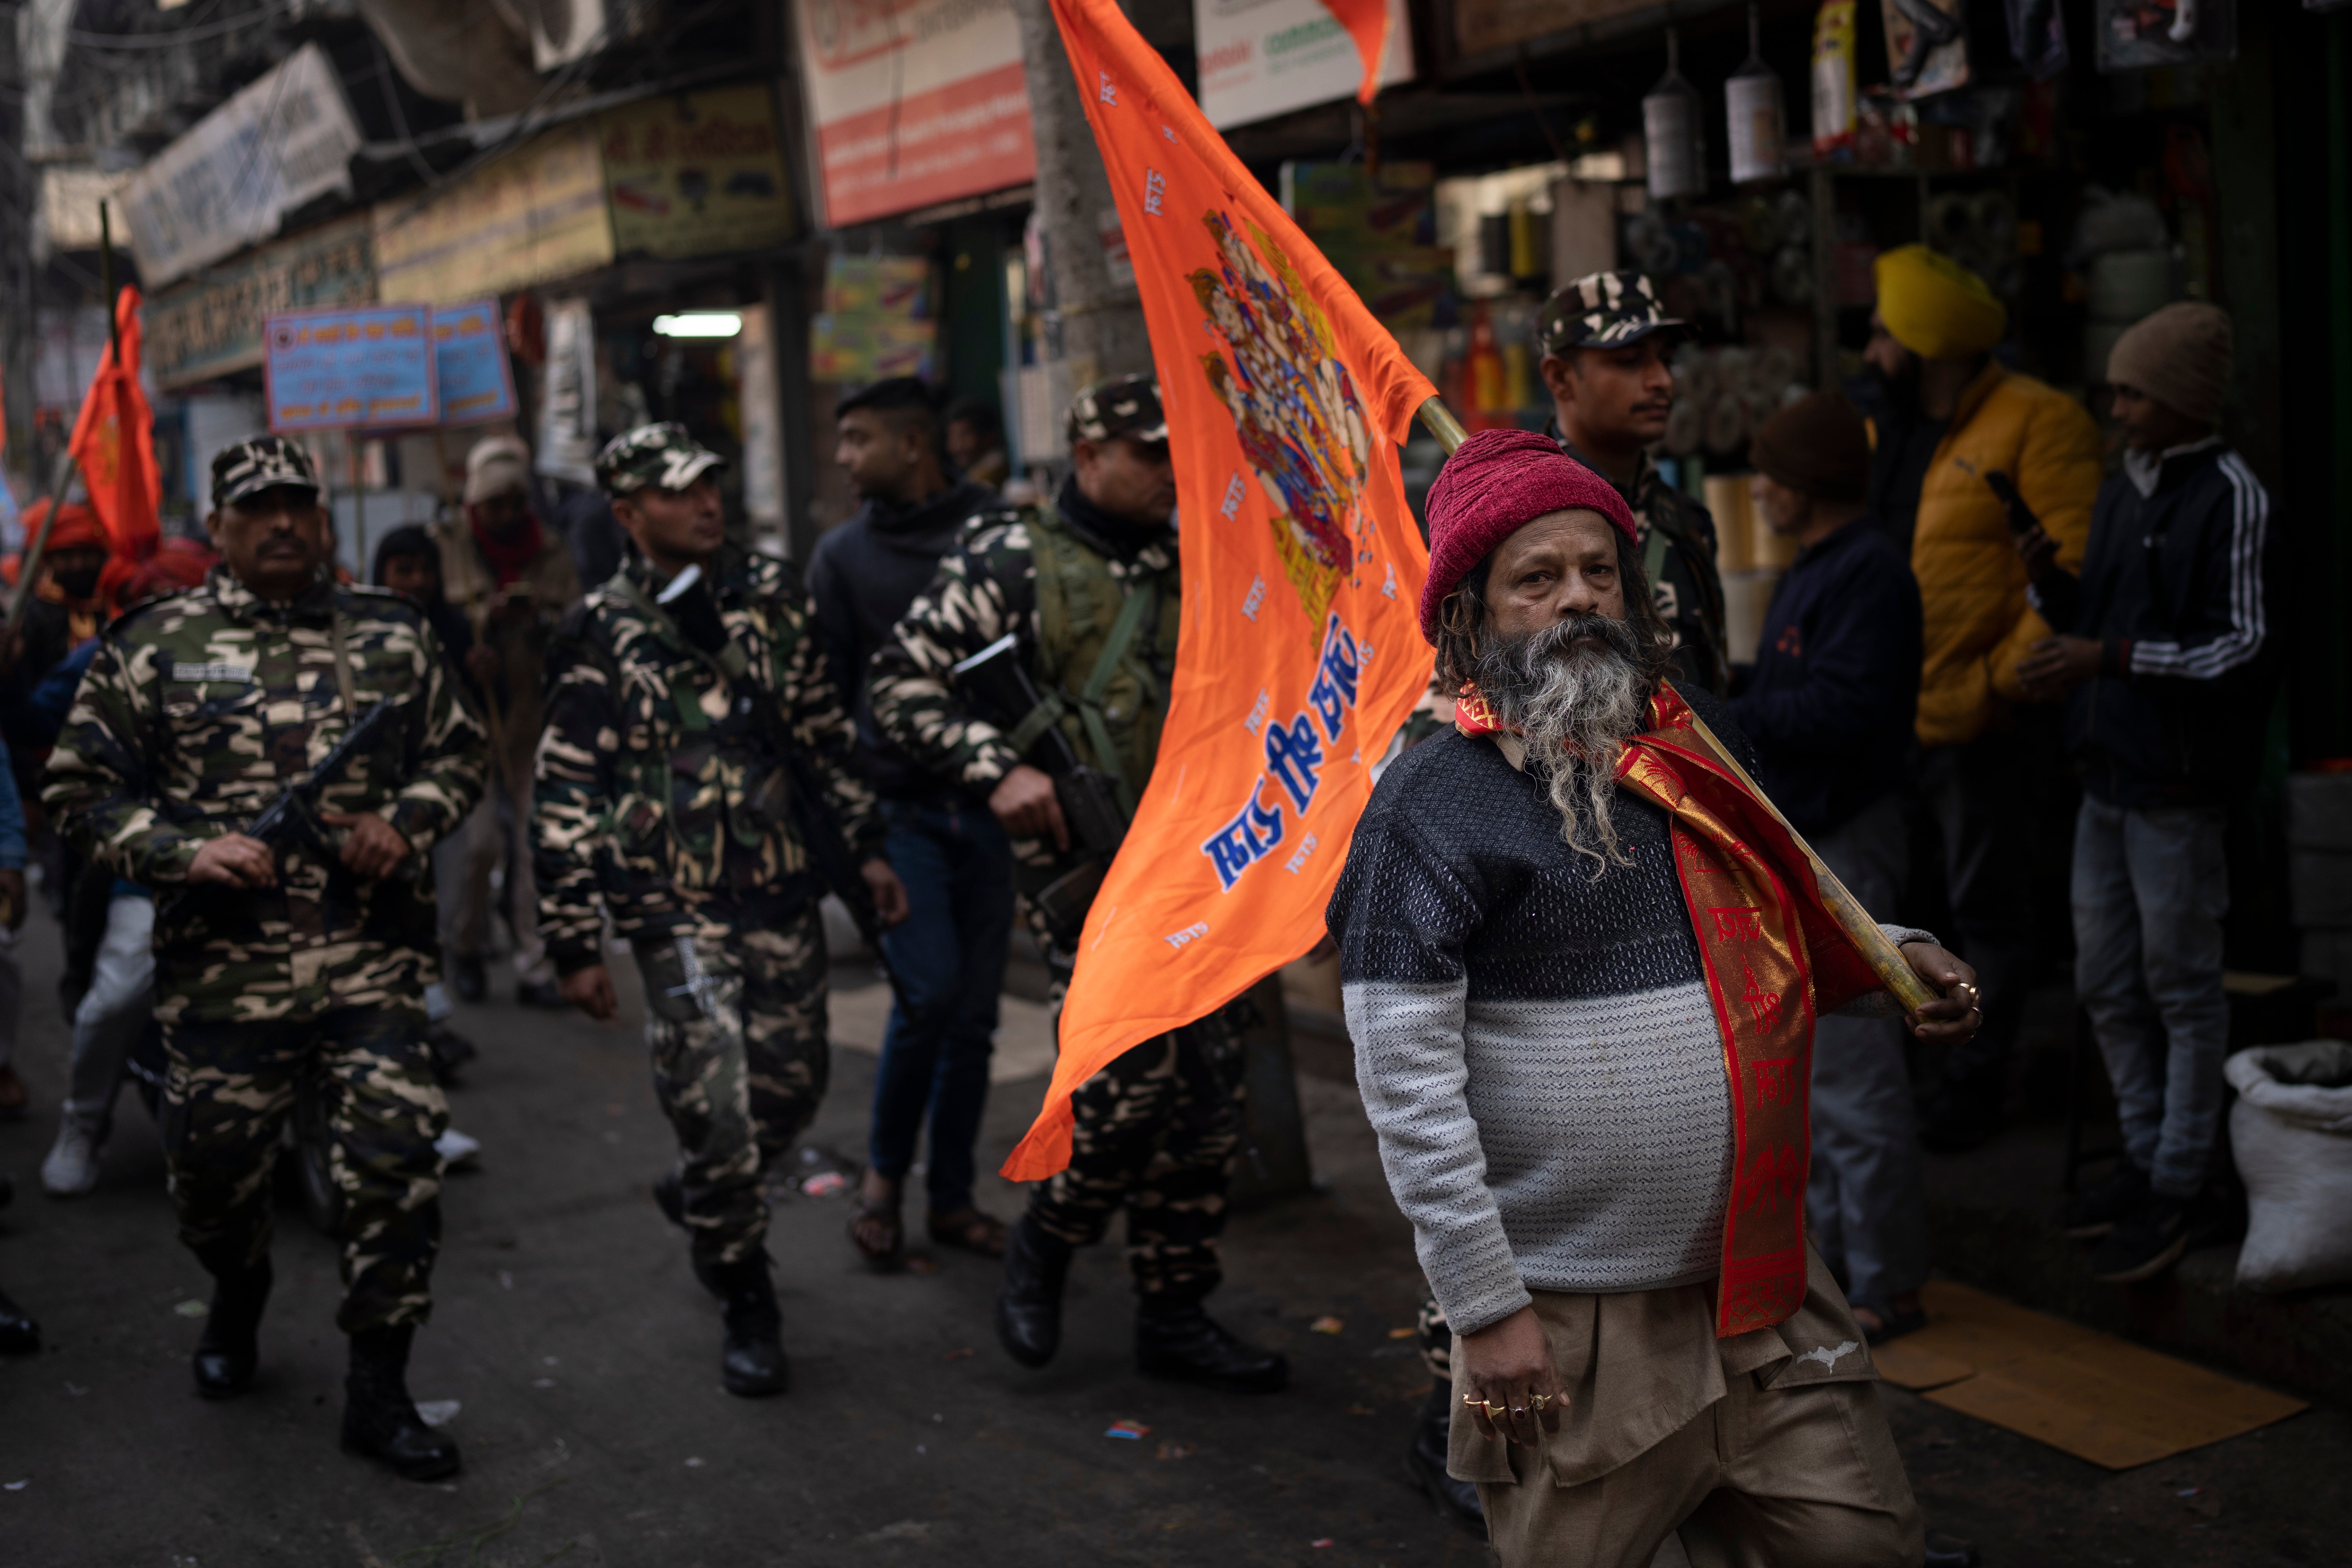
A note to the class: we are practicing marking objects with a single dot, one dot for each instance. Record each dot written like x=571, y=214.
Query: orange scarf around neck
x=1775, y=958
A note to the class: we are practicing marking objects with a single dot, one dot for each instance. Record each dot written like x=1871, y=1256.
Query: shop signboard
x=369, y=367
x=696, y=173
x=1259, y=58
x=1483, y=25
x=210, y=326
x=285, y=140
x=470, y=373
x=912, y=102
x=534, y=216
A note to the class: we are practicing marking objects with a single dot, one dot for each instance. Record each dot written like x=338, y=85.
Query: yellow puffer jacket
x=1971, y=584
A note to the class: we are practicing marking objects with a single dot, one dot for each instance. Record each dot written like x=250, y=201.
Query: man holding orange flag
x=1581, y=962
x=1080, y=600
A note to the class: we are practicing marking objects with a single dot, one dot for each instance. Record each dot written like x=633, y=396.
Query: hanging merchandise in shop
x=211, y=326
x=286, y=140
x=1259, y=58
x=2037, y=38
x=696, y=173
x=1833, y=80
x=532, y=216
x=1926, y=45
x=1753, y=110
x=2135, y=35
x=912, y=103
x=1673, y=132
x=876, y=320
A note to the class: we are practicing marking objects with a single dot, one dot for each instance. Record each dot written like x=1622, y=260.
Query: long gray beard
x=1574, y=706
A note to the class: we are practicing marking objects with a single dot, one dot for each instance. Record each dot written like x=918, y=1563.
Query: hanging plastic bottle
x=1673, y=131
x=1751, y=101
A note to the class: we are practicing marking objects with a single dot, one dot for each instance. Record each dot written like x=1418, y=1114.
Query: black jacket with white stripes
x=2173, y=585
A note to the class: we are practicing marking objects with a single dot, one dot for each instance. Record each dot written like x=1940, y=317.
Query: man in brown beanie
x=1830, y=704
x=2165, y=656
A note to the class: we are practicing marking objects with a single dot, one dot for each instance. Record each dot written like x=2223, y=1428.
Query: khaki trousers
x=1766, y=1450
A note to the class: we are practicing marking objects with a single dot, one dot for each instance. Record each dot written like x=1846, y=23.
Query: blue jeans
x=949, y=955
x=2150, y=889
x=1866, y=1202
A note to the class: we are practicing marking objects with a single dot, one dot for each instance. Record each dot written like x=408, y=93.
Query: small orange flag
x=1367, y=22
x=1300, y=653
x=114, y=442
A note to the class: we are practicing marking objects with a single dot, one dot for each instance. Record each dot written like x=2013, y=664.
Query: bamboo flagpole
x=1885, y=958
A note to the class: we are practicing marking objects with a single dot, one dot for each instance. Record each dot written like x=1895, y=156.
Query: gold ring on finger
x=1539, y=1400
x=1493, y=1409
x=1473, y=1401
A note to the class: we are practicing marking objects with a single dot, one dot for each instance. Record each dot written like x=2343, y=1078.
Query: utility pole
x=1102, y=331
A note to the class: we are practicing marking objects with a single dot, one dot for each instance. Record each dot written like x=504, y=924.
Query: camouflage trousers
x=226, y=1095
x=1157, y=1132
x=739, y=1064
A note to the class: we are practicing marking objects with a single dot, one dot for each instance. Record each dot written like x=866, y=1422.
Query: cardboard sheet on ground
x=2091, y=1395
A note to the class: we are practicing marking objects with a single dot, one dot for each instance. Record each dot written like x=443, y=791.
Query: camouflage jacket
x=986, y=587
x=651, y=769
x=199, y=709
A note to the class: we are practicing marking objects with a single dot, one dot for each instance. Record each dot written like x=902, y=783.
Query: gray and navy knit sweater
x=1536, y=1048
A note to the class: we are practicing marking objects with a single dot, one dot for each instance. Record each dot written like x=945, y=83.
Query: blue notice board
x=354, y=366
x=469, y=353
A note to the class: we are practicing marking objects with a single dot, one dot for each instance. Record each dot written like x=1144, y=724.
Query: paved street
x=582, y=1356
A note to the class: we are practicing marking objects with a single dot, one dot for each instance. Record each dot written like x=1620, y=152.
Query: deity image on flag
x=1302, y=427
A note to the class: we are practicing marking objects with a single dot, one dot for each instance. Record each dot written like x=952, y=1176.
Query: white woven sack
x=2292, y=1132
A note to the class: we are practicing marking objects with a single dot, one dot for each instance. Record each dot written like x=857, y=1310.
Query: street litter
x=1131, y=1430
x=437, y=1412
x=1177, y=1451
x=1403, y=1333
x=1329, y=1326
x=1325, y=1542
x=825, y=1184
x=18, y=1486
x=192, y=1309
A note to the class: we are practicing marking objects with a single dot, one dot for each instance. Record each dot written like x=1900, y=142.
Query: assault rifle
x=290, y=821
x=1088, y=796
x=794, y=793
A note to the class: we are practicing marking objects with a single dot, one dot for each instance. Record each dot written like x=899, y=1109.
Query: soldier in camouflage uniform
x=1607, y=348
x=1088, y=587
x=662, y=801
x=299, y=973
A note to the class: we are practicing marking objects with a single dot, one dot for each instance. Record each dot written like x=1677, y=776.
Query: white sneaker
x=457, y=1148
x=71, y=1169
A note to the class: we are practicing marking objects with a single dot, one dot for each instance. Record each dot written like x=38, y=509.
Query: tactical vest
x=1106, y=652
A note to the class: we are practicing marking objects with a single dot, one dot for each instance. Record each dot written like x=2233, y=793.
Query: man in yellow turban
x=1946, y=415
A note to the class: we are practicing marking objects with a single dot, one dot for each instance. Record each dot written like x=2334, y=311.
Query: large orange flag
x=114, y=442
x=1301, y=651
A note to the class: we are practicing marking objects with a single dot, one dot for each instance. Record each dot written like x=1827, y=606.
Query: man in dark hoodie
x=944, y=842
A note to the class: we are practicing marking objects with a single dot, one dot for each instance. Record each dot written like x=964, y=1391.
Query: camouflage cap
x=258, y=463
x=664, y=455
x=1125, y=406
x=1603, y=311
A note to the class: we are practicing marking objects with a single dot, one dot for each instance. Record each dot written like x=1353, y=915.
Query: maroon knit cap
x=1495, y=484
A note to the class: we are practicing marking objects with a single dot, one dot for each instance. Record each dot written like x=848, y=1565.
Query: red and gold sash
x=1775, y=958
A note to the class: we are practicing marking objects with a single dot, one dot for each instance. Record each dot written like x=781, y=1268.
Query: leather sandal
x=869, y=1220
x=970, y=1230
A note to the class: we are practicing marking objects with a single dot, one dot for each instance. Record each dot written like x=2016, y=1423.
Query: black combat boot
x=380, y=1420
x=231, y=1347
x=1424, y=1461
x=1029, y=1307
x=751, y=1363
x=1174, y=1338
